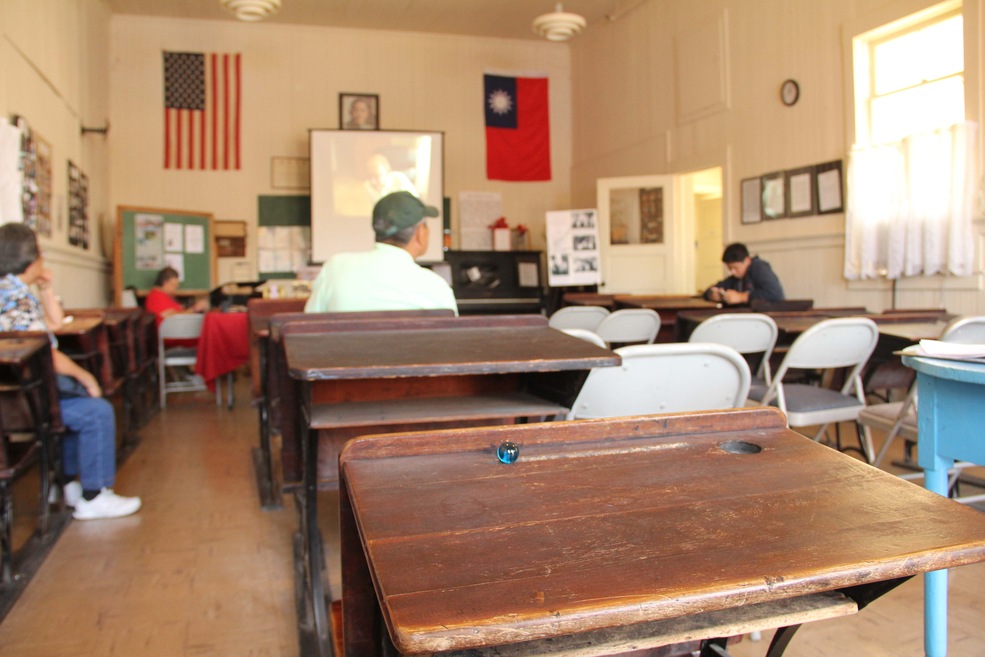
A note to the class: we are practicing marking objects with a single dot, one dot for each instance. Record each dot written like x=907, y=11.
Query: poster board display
x=573, y=255
x=149, y=239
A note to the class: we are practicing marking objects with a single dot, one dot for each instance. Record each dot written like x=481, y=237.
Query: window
x=913, y=168
x=910, y=76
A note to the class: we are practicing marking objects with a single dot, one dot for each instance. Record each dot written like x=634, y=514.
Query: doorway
x=660, y=234
x=704, y=201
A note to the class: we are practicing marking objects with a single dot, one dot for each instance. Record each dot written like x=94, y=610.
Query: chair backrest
x=747, y=333
x=630, y=325
x=128, y=298
x=965, y=330
x=665, y=378
x=578, y=317
x=832, y=343
x=587, y=336
x=180, y=326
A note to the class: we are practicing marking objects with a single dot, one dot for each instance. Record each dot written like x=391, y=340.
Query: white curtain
x=910, y=205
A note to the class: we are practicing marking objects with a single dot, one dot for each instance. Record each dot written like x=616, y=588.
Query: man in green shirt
x=386, y=278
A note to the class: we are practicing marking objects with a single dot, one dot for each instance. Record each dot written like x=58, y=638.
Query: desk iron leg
x=935, y=583
x=311, y=537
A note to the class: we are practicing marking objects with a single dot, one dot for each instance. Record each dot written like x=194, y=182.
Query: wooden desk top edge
x=586, y=357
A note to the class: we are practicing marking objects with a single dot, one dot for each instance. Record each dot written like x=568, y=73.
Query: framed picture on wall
x=829, y=186
x=800, y=192
x=774, y=196
x=752, y=201
x=359, y=111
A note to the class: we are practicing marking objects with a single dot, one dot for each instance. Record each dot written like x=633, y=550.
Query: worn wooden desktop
x=370, y=377
x=612, y=531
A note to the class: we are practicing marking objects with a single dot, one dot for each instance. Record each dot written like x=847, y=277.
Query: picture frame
x=752, y=200
x=829, y=186
x=359, y=111
x=774, y=193
x=800, y=192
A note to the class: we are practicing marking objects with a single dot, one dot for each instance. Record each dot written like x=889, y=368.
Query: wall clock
x=789, y=92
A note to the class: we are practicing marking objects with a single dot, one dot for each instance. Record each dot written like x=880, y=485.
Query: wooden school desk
x=366, y=377
x=28, y=403
x=274, y=393
x=950, y=417
x=612, y=532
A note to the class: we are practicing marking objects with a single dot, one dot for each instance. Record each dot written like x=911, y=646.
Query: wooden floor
x=202, y=571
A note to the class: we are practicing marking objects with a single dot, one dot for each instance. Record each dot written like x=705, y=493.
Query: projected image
x=352, y=169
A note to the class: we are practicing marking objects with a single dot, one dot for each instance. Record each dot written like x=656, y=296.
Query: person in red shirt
x=160, y=300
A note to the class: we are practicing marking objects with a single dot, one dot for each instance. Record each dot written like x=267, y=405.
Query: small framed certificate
x=829, y=186
x=800, y=192
x=752, y=200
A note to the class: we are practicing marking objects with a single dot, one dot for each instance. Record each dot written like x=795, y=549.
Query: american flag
x=202, y=98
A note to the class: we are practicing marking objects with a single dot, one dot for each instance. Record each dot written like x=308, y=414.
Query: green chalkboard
x=142, y=246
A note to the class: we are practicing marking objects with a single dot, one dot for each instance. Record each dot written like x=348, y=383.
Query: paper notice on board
x=148, y=233
x=194, y=239
x=477, y=211
x=174, y=241
x=176, y=261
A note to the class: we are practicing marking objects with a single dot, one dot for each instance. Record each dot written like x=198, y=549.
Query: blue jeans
x=89, y=443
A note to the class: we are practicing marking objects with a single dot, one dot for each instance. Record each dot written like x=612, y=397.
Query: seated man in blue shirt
x=386, y=278
x=751, y=279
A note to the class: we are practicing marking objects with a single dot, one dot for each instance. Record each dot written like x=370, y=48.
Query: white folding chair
x=178, y=327
x=747, y=333
x=665, y=378
x=630, y=325
x=587, y=336
x=845, y=342
x=128, y=298
x=579, y=317
x=900, y=418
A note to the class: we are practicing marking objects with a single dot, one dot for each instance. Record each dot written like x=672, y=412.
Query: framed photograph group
x=802, y=192
x=359, y=111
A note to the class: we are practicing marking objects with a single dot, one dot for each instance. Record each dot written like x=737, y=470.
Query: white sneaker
x=72, y=493
x=105, y=505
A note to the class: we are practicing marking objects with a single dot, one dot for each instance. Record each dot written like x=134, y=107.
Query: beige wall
x=671, y=86
x=677, y=85
x=292, y=78
x=54, y=63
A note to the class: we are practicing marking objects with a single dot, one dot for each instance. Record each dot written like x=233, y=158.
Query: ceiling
x=491, y=18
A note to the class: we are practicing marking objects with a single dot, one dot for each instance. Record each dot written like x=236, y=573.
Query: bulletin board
x=149, y=239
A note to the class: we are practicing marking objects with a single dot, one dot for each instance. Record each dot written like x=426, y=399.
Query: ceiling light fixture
x=251, y=10
x=559, y=25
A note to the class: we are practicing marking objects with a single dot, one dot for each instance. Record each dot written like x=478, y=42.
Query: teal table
x=951, y=414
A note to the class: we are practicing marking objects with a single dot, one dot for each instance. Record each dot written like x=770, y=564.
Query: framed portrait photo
x=359, y=111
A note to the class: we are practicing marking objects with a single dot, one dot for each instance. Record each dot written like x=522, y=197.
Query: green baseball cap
x=397, y=211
